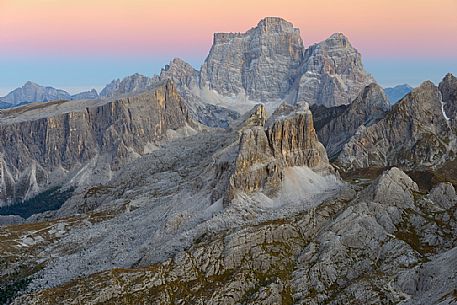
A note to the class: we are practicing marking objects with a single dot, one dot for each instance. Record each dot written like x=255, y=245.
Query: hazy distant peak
x=398, y=92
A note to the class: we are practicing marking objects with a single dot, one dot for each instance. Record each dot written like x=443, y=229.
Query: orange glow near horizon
x=380, y=27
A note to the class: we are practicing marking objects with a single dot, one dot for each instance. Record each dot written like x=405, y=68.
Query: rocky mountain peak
x=332, y=73
x=275, y=24
x=335, y=129
x=426, y=97
x=288, y=139
x=257, y=116
x=398, y=92
x=337, y=40
x=449, y=77
x=416, y=133
x=373, y=96
x=269, y=63
x=448, y=89
x=259, y=63
x=177, y=63
x=30, y=84
x=31, y=92
x=86, y=95
x=131, y=84
x=182, y=73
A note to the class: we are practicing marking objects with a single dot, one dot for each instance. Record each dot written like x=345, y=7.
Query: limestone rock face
x=448, y=88
x=257, y=63
x=293, y=138
x=444, y=195
x=269, y=63
x=288, y=139
x=182, y=73
x=131, y=84
x=32, y=92
x=369, y=107
x=387, y=245
x=414, y=134
x=37, y=152
x=332, y=73
x=256, y=169
x=187, y=79
x=393, y=187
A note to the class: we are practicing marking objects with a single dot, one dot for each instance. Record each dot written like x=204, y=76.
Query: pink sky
x=386, y=28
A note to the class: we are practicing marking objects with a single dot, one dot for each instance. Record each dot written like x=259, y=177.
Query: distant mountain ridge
x=32, y=92
x=398, y=92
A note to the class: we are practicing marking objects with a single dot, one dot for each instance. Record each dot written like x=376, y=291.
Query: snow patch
x=442, y=107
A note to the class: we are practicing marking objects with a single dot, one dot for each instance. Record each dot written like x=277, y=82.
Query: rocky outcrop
x=332, y=73
x=182, y=74
x=448, y=88
x=368, y=108
x=131, y=84
x=388, y=245
x=32, y=92
x=267, y=148
x=41, y=151
x=256, y=168
x=293, y=139
x=86, y=95
x=187, y=79
x=258, y=63
x=414, y=134
x=269, y=63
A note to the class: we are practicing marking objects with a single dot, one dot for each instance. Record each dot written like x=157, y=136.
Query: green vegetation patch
x=49, y=200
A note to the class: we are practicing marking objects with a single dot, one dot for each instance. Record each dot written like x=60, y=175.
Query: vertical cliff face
x=257, y=63
x=332, y=74
x=293, y=138
x=416, y=133
x=267, y=148
x=269, y=63
x=370, y=106
x=55, y=143
x=448, y=88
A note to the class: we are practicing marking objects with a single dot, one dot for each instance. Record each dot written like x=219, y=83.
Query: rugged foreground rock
x=388, y=245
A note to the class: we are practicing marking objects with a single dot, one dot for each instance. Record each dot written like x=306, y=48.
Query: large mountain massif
x=274, y=174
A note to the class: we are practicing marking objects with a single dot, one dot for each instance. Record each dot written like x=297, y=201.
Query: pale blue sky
x=75, y=74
